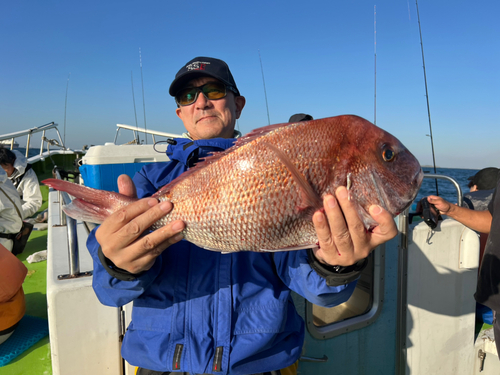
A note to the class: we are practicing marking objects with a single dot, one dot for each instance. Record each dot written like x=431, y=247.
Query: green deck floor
x=36, y=360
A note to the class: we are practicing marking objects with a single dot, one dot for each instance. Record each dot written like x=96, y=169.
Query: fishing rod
x=265, y=94
x=138, y=140
x=427, y=97
x=65, y=106
x=143, y=101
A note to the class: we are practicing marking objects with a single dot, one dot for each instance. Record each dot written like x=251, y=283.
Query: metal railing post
x=74, y=262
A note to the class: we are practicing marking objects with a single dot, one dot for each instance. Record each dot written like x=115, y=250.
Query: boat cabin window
x=360, y=310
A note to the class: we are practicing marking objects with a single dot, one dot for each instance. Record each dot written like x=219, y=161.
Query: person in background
x=481, y=185
x=300, y=117
x=12, y=301
x=200, y=311
x=487, y=290
x=24, y=179
x=10, y=222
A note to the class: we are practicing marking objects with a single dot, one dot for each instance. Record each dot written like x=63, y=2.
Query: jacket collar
x=187, y=151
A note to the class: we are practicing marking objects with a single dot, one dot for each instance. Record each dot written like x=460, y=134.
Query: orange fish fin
x=257, y=133
x=310, y=199
x=80, y=210
x=290, y=248
x=92, y=204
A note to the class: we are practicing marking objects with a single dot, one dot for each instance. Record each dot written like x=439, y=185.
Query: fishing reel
x=428, y=212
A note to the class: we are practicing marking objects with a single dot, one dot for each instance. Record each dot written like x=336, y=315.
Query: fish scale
x=260, y=194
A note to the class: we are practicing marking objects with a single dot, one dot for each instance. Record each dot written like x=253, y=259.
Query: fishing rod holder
x=70, y=223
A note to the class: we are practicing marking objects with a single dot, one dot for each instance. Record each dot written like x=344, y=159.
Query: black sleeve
x=114, y=271
x=491, y=205
x=336, y=275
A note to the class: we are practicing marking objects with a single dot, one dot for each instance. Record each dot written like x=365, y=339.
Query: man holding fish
x=230, y=311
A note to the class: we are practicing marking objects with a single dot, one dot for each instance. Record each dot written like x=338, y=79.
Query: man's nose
x=202, y=101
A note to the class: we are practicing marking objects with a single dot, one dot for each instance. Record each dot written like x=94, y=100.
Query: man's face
x=8, y=168
x=205, y=118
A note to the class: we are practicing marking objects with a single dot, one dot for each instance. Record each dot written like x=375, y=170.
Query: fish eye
x=388, y=154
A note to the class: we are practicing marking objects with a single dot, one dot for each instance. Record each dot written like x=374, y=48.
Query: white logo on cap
x=197, y=65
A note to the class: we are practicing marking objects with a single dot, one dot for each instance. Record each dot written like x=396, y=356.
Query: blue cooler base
x=104, y=176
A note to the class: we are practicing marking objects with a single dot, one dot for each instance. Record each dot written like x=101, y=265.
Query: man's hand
x=476, y=220
x=344, y=242
x=120, y=235
x=443, y=206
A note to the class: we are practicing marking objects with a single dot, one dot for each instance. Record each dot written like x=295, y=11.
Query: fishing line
x=65, y=106
x=135, y=112
x=143, y=101
x=427, y=97
x=265, y=93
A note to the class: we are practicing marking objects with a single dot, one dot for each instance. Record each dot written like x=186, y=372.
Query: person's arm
x=295, y=270
x=114, y=286
x=126, y=261
x=476, y=220
x=32, y=196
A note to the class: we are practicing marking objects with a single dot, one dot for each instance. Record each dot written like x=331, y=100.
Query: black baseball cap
x=202, y=66
x=300, y=117
x=485, y=179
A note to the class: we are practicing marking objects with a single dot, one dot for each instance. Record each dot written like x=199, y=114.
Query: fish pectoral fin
x=79, y=209
x=291, y=248
x=310, y=199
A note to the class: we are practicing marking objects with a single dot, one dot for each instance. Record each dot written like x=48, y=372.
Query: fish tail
x=90, y=204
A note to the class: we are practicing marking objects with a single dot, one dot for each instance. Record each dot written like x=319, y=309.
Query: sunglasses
x=211, y=90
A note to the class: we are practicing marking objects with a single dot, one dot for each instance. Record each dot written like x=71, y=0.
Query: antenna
x=427, y=97
x=65, y=106
x=375, y=70
x=143, y=101
x=135, y=112
x=265, y=94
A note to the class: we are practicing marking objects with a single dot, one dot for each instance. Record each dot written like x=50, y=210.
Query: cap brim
x=182, y=79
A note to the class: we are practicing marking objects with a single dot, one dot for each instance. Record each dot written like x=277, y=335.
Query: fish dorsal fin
x=240, y=142
x=257, y=133
x=309, y=198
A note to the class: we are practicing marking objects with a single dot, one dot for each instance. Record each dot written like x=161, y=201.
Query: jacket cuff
x=114, y=271
x=336, y=275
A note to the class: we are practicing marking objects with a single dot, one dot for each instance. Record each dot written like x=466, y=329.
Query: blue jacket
x=201, y=311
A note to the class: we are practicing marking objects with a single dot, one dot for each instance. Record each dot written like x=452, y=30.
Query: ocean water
x=445, y=188
x=32, y=152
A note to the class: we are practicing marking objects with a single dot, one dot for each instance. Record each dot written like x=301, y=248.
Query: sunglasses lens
x=187, y=96
x=212, y=90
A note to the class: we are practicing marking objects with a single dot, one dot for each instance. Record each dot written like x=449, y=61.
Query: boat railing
x=11, y=137
x=70, y=223
x=460, y=199
x=136, y=130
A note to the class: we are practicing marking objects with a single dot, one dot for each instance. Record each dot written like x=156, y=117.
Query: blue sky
x=317, y=56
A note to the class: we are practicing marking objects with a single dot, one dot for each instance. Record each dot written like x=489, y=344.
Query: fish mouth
x=390, y=199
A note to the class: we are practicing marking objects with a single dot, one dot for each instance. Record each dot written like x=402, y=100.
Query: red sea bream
x=260, y=194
